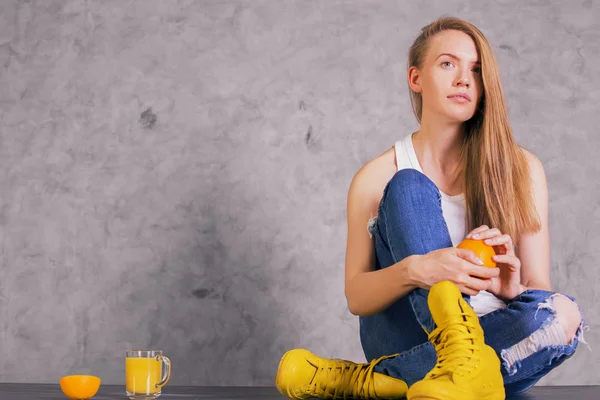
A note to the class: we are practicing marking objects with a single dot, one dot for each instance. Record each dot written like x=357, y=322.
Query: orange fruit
x=79, y=386
x=481, y=250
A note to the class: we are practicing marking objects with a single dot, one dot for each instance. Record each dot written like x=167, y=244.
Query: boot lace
x=342, y=379
x=457, y=343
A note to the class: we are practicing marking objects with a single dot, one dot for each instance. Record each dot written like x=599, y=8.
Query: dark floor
x=24, y=391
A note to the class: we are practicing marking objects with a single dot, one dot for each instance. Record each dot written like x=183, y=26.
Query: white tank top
x=454, y=211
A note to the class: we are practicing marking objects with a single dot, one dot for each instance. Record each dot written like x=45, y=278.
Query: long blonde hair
x=497, y=178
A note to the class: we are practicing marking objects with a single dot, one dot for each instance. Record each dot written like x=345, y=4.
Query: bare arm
x=534, y=248
x=368, y=291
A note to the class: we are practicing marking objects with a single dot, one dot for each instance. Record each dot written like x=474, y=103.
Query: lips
x=460, y=95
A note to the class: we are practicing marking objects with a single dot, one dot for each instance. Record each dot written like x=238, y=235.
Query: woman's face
x=450, y=73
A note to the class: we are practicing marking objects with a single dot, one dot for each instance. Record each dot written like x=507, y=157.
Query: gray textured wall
x=174, y=174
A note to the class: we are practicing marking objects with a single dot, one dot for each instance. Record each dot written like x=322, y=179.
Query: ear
x=414, y=79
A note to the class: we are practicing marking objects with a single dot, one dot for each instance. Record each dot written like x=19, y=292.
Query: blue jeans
x=410, y=221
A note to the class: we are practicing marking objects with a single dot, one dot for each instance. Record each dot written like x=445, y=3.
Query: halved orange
x=481, y=250
x=79, y=386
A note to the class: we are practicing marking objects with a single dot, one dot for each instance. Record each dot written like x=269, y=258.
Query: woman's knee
x=410, y=179
x=564, y=313
x=410, y=217
x=409, y=189
x=567, y=312
x=557, y=331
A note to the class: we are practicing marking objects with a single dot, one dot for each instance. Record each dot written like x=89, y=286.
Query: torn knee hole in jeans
x=548, y=305
x=550, y=335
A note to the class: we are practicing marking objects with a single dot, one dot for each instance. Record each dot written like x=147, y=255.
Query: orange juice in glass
x=144, y=375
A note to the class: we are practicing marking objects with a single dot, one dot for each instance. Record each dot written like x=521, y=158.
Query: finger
x=469, y=255
x=473, y=284
x=504, y=240
x=497, y=240
x=487, y=234
x=477, y=230
x=466, y=290
x=478, y=284
x=508, y=259
x=483, y=272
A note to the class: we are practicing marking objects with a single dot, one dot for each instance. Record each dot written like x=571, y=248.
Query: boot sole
x=495, y=396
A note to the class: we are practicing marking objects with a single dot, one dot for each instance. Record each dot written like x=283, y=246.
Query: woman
x=435, y=322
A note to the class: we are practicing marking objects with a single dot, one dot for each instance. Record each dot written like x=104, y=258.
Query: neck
x=437, y=144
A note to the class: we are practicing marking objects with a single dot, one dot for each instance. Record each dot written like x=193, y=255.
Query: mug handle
x=166, y=362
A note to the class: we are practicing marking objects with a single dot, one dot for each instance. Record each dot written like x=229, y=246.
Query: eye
x=477, y=70
x=446, y=62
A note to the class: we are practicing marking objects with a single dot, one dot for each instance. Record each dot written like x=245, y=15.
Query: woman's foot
x=303, y=375
x=466, y=368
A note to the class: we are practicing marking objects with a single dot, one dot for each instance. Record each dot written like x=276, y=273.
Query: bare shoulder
x=370, y=180
x=536, y=168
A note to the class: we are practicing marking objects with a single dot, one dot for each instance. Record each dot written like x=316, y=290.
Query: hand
x=459, y=266
x=507, y=285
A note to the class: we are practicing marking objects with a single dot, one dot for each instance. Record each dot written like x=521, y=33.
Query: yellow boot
x=303, y=375
x=466, y=368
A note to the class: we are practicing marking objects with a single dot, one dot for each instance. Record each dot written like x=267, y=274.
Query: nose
x=463, y=81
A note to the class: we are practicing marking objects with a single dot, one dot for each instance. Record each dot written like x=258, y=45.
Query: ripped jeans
x=526, y=335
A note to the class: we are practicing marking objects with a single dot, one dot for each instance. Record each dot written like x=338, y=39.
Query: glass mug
x=144, y=377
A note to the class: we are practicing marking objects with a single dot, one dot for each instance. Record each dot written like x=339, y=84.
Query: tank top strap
x=397, y=150
x=405, y=154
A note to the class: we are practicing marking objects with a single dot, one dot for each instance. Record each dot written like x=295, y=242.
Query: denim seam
x=387, y=237
x=418, y=315
x=381, y=215
x=382, y=202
